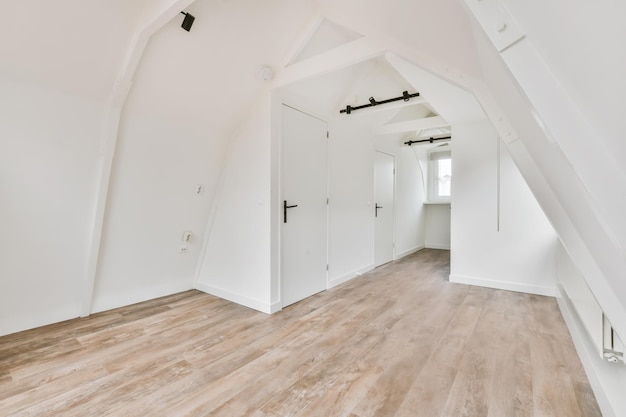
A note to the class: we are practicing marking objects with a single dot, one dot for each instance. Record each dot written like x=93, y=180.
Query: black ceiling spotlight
x=187, y=21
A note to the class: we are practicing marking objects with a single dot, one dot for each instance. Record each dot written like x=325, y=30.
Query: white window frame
x=433, y=172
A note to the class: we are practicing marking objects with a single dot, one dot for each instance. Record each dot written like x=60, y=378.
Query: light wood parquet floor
x=399, y=341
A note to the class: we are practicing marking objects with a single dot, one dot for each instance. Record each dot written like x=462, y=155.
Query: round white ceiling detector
x=265, y=73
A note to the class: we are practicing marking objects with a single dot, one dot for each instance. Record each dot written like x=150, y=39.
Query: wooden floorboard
x=398, y=341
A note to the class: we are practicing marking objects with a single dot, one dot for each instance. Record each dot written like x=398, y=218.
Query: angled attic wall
x=577, y=182
x=500, y=236
x=190, y=94
x=56, y=88
x=584, y=51
x=152, y=201
x=48, y=152
x=561, y=163
x=71, y=46
x=481, y=255
x=163, y=152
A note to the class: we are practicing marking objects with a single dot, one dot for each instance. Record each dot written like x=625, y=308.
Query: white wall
x=351, y=172
x=242, y=223
x=351, y=218
x=521, y=255
x=165, y=148
x=573, y=178
x=410, y=193
x=48, y=154
x=237, y=254
x=566, y=98
x=433, y=219
x=60, y=46
x=411, y=214
x=585, y=54
x=151, y=202
x=191, y=95
x=437, y=226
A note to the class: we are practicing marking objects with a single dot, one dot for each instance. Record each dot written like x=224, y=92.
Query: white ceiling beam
x=336, y=59
x=472, y=84
x=413, y=125
x=301, y=42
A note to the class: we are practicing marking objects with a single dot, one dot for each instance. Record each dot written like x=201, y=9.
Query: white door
x=304, y=208
x=384, y=172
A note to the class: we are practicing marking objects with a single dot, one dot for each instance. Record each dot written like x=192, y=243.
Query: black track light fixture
x=187, y=21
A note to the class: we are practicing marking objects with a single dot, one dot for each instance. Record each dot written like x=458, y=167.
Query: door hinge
x=327, y=267
x=327, y=134
x=327, y=201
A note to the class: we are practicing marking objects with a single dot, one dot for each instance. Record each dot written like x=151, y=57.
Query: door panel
x=304, y=191
x=384, y=167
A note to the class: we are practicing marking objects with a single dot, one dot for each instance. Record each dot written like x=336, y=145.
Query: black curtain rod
x=405, y=96
x=431, y=140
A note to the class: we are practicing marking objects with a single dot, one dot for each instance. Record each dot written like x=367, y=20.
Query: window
x=440, y=173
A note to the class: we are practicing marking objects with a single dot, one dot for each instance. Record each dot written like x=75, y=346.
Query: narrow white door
x=384, y=172
x=304, y=209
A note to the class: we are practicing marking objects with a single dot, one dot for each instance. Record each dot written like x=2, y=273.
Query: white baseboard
x=246, y=301
x=444, y=246
x=275, y=306
x=20, y=323
x=351, y=275
x=549, y=291
x=607, y=380
x=409, y=252
x=127, y=298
